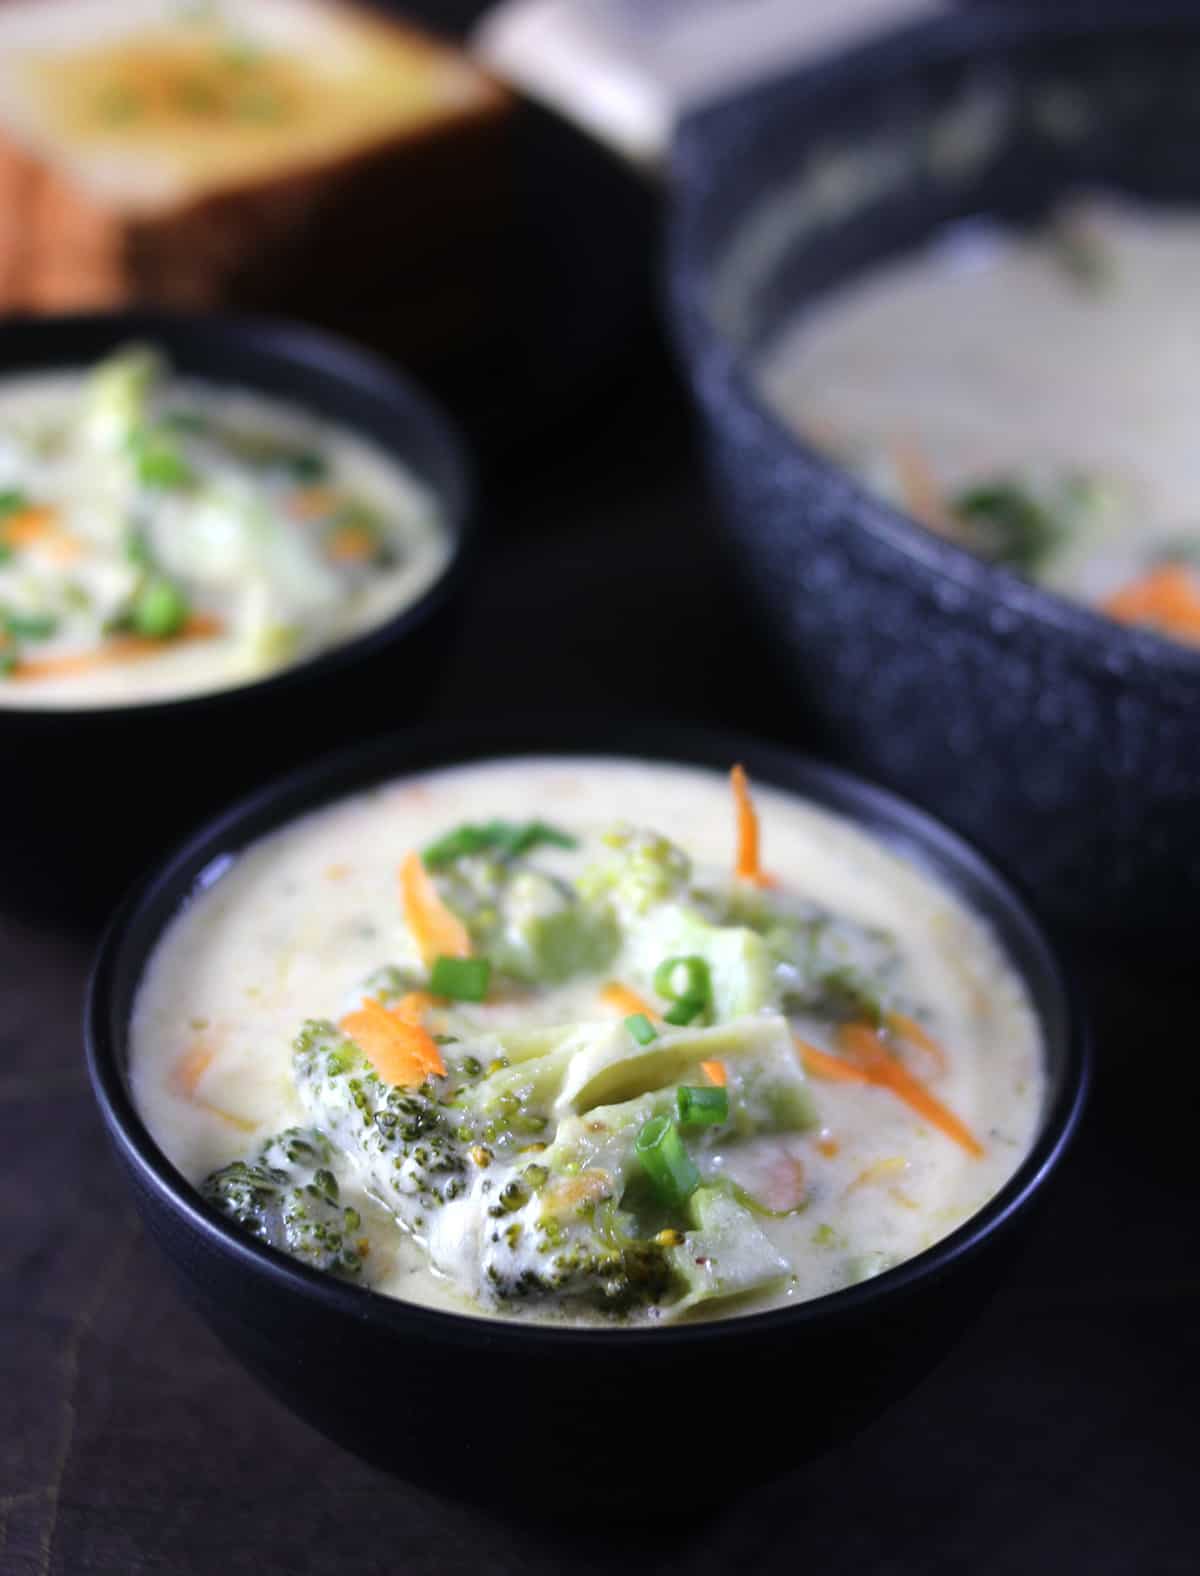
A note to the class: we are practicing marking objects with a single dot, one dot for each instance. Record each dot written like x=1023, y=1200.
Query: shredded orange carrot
x=625, y=1001
x=879, y=1171
x=313, y=503
x=832, y=1068
x=716, y=1073
x=868, y=1052
x=185, y=1079
x=119, y=648
x=438, y=932
x=746, y=864
x=401, y=1052
x=412, y=1006
x=906, y=1028
x=922, y=495
x=828, y=1145
x=40, y=525
x=190, y=1068
x=1167, y=598
x=351, y=544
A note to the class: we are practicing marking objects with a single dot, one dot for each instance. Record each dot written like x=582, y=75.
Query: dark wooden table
x=1059, y=1435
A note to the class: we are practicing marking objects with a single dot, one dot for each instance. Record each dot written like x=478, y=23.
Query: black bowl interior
x=137, y=928
x=156, y=767
x=786, y=191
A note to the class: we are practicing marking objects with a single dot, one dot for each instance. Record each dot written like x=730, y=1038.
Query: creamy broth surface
x=291, y=929
x=1058, y=362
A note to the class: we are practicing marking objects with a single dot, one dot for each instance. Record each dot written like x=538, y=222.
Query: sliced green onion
x=666, y=1162
x=137, y=548
x=160, y=464
x=701, y=1107
x=507, y=838
x=29, y=626
x=462, y=979
x=685, y=1011
x=532, y=834
x=12, y=501
x=694, y=999
x=159, y=609
x=640, y=1027
x=8, y=660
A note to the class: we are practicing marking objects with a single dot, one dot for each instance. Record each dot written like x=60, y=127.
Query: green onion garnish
x=8, y=660
x=29, y=626
x=694, y=999
x=701, y=1107
x=159, y=609
x=12, y=501
x=641, y=1028
x=462, y=979
x=666, y=1161
x=507, y=838
x=159, y=463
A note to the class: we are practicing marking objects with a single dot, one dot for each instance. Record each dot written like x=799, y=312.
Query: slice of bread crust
x=403, y=204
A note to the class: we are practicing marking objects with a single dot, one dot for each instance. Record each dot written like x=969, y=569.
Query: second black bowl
x=90, y=794
x=545, y=1418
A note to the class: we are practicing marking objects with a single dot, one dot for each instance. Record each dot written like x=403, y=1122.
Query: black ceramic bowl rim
x=282, y=342
x=699, y=177
x=139, y=923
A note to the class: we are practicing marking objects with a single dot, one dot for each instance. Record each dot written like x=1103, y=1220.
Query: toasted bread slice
x=238, y=152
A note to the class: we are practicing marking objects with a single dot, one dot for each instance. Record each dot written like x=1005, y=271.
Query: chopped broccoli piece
x=402, y=1140
x=833, y=966
x=645, y=869
x=118, y=394
x=741, y=967
x=531, y=926
x=289, y=1198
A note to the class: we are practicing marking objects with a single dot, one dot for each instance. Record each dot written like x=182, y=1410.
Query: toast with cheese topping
x=295, y=155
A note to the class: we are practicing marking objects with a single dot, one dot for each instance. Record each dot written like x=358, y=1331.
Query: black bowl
x=539, y=1417
x=1064, y=742
x=91, y=794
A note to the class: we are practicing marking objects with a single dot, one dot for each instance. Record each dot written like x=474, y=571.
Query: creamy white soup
x=160, y=537
x=1028, y=394
x=586, y=1041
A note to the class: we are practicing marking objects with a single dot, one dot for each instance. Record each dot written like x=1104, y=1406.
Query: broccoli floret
x=833, y=966
x=289, y=1198
x=531, y=926
x=587, y=1252
x=644, y=869
x=403, y=1140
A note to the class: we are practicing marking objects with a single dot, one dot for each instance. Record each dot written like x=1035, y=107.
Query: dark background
x=1060, y=1433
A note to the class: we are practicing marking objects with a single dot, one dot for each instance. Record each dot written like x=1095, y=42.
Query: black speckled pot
x=91, y=795
x=1065, y=743
x=640, y=1422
